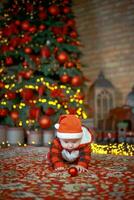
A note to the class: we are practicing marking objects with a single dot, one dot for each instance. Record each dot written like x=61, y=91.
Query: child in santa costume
x=71, y=147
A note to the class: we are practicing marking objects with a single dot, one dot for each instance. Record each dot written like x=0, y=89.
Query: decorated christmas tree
x=41, y=73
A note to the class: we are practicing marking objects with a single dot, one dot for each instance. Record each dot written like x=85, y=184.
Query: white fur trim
x=87, y=137
x=57, y=126
x=69, y=135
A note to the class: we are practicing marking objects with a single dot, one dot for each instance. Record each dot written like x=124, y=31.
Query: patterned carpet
x=25, y=175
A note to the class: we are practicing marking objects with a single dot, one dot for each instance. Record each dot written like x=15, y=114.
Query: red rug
x=25, y=175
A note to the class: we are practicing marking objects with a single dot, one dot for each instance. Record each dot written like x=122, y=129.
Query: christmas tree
x=41, y=76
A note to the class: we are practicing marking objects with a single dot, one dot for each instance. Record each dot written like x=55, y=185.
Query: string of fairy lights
x=123, y=149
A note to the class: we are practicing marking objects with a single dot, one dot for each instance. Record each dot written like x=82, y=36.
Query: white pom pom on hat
x=57, y=126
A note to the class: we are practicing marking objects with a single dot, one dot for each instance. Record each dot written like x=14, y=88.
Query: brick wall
x=106, y=29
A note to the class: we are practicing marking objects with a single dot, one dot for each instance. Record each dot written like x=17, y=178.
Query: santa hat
x=69, y=127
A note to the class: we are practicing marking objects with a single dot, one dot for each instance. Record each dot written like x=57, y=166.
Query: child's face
x=70, y=144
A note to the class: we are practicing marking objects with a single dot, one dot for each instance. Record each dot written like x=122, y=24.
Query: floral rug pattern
x=26, y=175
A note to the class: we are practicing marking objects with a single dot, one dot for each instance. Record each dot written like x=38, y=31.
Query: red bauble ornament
x=42, y=27
x=21, y=74
x=14, y=115
x=54, y=10
x=25, y=25
x=11, y=48
x=25, y=64
x=73, y=171
x=74, y=34
x=45, y=122
x=41, y=8
x=34, y=113
x=17, y=22
x=9, y=60
x=70, y=64
x=66, y=10
x=41, y=89
x=3, y=112
x=56, y=50
x=57, y=30
x=29, y=7
x=49, y=111
x=11, y=95
x=27, y=94
x=2, y=85
x=65, y=78
x=60, y=39
x=62, y=57
x=65, y=1
x=32, y=29
x=45, y=52
x=76, y=81
x=42, y=15
x=28, y=50
x=71, y=22
x=28, y=74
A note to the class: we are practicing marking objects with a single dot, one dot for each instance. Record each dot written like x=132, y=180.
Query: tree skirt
x=25, y=174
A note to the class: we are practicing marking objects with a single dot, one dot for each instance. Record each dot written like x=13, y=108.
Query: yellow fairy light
x=42, y=79
x=22, y=104
x=62, y=86
x=3, y=103
x=6, y=86
x=44, y=100
x=47, y=84
x=78, y=90
x=27, y=121
x=50, y=102
x=14, y=106
x=20, y=123
x=29, y=86
x=71, y=100
x=67, y=112
x=12, y=86
x=84, y=115
x=80, y=101
x=38, y=80
x=78, y=112
x=58, y=106
x=67, y=91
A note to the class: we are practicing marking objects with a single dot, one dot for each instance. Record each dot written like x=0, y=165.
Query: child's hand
x=60, y=169
x=81, y=169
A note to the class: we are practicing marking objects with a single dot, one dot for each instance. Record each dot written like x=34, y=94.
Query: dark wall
x=106, y=28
